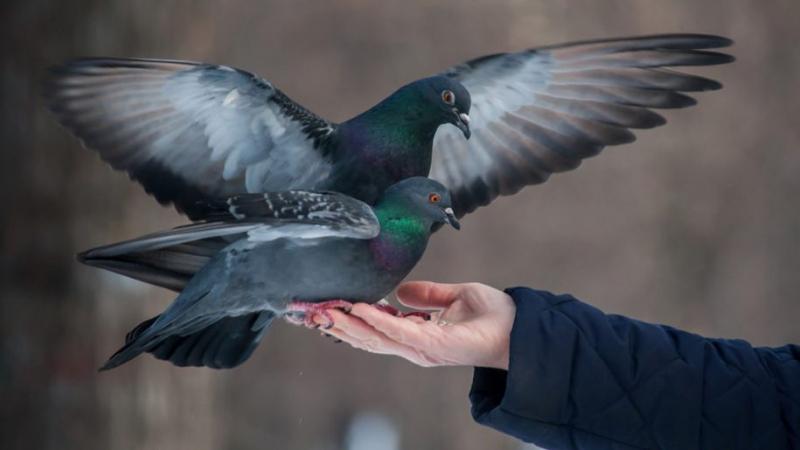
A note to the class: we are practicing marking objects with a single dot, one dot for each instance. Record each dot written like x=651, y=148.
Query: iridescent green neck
x=402, y=239
x=398, y=225
x=404, y=120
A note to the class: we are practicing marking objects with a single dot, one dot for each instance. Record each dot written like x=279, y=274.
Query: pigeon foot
x=304, y=313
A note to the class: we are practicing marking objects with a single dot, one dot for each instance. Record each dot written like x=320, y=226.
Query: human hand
x=471, y=326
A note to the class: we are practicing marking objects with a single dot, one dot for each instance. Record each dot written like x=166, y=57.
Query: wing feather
x=543, y=110
x=170, y=258
x=189, y=131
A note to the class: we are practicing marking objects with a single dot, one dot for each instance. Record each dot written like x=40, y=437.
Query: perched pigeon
x=191, y=131
x=260, y=256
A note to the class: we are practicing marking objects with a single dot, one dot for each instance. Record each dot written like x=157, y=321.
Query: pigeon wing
x=190, y=131
x=543, y=110
x=329, y=213
x=170, y=258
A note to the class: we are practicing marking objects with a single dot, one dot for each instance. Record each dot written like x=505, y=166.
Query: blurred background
x=695, y=225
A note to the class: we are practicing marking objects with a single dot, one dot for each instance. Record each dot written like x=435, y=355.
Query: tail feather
x=123, y=355
x=170, y=267
x=168, y=279
x=224, y=344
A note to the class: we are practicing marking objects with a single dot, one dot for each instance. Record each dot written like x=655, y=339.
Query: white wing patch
x=300, y=231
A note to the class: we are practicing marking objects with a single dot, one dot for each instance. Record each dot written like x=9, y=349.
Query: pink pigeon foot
x=304, y=313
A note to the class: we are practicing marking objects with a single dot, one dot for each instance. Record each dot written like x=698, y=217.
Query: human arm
x=578, y=378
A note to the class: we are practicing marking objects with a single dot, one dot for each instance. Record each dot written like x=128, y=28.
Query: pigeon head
x=422, y=198
x=446, y=100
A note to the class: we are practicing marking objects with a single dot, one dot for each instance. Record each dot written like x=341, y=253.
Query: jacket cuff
x=488, y=389
x=495, y=394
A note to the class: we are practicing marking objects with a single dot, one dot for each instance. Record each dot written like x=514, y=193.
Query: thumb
x=427, y=294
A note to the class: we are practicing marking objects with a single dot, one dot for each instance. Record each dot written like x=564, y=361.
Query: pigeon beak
x=450, y=217
x=462, y=122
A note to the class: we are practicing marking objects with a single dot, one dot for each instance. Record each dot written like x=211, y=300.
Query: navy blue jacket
x=581, y=379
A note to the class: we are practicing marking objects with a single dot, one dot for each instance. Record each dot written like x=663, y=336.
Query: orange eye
x=434, y=197
x=448, y=97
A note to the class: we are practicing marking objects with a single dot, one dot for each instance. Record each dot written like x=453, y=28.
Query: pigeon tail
x=123, y=355
x=224, y=344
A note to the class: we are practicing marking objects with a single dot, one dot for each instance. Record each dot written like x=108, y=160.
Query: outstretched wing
x=542, y=111
x=189, y=131
x=170, y=258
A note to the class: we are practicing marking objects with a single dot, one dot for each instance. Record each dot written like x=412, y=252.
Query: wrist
x=505, y=323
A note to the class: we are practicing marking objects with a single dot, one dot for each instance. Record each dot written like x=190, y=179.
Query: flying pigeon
x=261, y=256
x=189, y=132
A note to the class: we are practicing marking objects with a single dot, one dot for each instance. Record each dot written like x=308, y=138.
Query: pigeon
x=293, y=254
x=190, y=132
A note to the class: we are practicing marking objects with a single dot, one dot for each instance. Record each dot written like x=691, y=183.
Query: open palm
x=470, y=326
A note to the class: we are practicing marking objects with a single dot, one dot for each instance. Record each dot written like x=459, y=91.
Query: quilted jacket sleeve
x=581, y=379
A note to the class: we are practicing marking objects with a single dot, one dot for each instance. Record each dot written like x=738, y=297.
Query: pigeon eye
x=433, y=197
x=448, y=97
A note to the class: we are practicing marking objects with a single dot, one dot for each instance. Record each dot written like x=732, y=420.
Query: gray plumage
x=320, y=247
x=544, y=110
x=170, y=258
x=189, y=131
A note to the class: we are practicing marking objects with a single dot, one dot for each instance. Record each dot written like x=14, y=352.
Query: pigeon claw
x=387, y=308
x=309, y=314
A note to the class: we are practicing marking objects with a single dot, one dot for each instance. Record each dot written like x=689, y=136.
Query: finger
x=360, y=332
x=348, y=324
x=402, y=330
x=360, y=335
x=342, y=335
x=339, y=334
x=427, y=294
